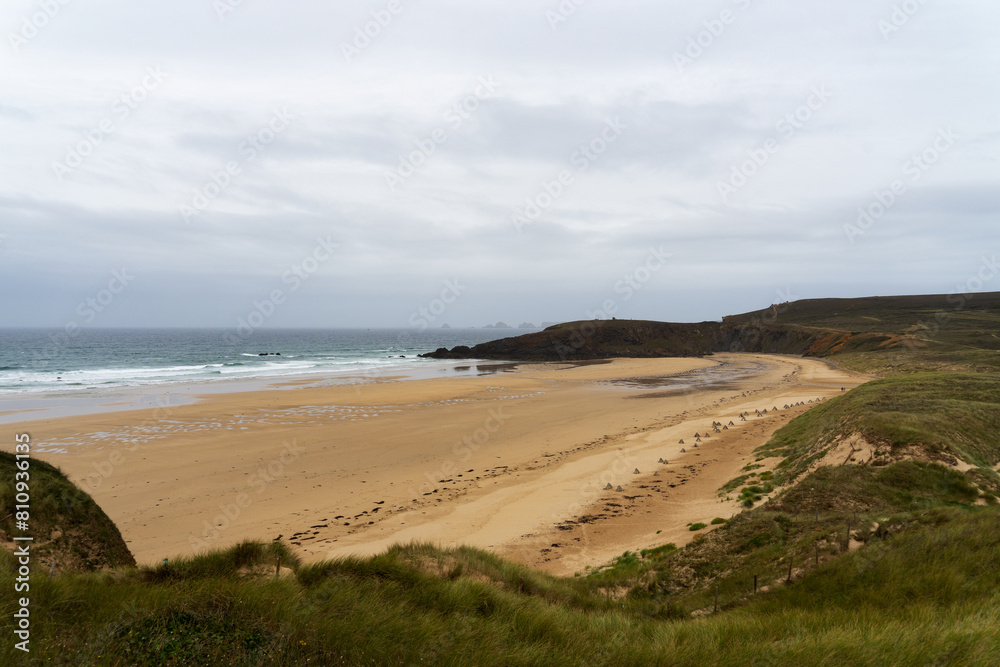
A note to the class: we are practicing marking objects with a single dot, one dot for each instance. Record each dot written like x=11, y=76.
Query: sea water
x=41, y=361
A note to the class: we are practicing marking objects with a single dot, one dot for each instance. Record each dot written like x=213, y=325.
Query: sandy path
x=496, y=460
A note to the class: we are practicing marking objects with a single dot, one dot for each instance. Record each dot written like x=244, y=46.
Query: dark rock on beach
x=459, y=352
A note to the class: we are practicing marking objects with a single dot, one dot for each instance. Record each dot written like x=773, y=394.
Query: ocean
x=40, y=361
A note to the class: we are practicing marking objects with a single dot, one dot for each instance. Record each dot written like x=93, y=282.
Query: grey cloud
x=656, y=185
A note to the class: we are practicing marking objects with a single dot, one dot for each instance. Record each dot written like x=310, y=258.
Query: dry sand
x=514, y=461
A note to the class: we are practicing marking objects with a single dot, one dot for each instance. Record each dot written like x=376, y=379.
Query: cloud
x=468, y=165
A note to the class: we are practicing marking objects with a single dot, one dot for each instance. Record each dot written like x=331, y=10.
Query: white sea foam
x=36, y=362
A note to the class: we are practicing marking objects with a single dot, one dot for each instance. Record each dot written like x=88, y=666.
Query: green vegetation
x=933, y=333
x=923, y=423
x=248, y=559
x=940, y=416
x=950, y=319
x=880, y=335
x=68, y=526
x=870, y=538
x=926, y=593
x=734, y=484
x=753, y=494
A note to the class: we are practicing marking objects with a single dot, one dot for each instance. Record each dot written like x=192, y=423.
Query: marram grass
x=922, y=589
x=409, y=607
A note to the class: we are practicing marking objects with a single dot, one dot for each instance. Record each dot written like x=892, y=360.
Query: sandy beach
x=514, y=460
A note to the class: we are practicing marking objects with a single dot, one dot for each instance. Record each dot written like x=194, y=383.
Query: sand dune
x=512, y=461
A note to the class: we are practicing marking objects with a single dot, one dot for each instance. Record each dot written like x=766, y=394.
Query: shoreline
x=37, y=363
x=497, y=460
x=55, y=404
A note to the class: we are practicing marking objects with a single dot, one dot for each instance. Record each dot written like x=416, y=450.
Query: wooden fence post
x=755, y=584
x=716, y=598
x=789, y=568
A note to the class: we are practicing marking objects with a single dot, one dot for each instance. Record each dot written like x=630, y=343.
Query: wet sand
x=513, y=460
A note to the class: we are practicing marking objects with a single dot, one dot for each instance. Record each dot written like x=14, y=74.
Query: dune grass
x=247, y=559
x=927, y=595
x=945, y=414
x=897, y=563
x=69, y=526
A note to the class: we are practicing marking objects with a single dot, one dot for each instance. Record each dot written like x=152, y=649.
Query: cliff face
x=604, y=339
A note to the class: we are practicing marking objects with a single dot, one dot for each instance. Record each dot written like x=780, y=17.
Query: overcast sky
x=516, y=160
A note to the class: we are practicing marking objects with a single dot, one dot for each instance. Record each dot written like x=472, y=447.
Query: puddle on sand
x=721, y=376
